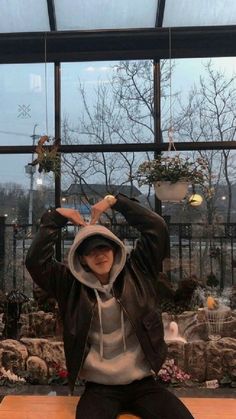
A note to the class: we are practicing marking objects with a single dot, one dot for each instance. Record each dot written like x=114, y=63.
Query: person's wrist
x=111, y=199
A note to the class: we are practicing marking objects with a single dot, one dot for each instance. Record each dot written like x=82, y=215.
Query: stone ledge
x=202, y=360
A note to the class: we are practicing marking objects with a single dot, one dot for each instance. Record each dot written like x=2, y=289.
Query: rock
x=13, y=355
x=37, y=370
x=176, y=351
x=195, y=360
x=51, y=352
x=34, y=346
x=38, y=324
x=221, y=358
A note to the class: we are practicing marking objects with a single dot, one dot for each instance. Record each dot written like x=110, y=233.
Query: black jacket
x=134, y=288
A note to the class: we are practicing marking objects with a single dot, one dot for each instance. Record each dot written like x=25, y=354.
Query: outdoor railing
x=196, y=250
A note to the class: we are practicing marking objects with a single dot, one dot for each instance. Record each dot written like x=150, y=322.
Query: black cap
x=94, y=241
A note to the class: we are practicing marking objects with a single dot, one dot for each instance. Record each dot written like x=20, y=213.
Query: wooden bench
x=41, y=407
x=63, y=407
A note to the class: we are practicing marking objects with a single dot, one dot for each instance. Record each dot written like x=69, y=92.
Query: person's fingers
x=72, y=215
x=95, y=215
x=78, y=219
x=93, y=221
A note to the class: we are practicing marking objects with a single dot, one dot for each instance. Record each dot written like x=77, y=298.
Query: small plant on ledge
x=59, y=376
x=171, y=374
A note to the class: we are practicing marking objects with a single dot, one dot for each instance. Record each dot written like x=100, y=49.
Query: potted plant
x=171, y=176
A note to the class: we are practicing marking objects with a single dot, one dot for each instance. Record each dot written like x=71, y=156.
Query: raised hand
x=73, y=215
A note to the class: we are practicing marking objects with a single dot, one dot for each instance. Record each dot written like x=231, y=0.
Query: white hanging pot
x=171, y=192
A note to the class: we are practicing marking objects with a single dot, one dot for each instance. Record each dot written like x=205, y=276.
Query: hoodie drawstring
x=123, y=328
x=101, y=327
x=100, y=323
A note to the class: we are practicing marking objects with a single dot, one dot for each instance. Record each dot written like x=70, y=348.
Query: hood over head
x=92, y=242
x=83, y=241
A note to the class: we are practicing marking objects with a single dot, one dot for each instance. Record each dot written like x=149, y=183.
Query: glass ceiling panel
x=23, y=16
x=199, y=13
x=32, y=15
x=105, y=14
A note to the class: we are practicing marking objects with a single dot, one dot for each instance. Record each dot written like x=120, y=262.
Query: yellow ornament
x=212, y=303
x=195, y=200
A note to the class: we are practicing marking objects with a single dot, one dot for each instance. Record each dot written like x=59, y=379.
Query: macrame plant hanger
x=171, y=146
x=48, y=159
x=44, y=139
x=46, y=83
x=170, y=191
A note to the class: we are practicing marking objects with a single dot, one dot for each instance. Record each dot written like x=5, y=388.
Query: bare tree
x=123, y=113
x=210, y=115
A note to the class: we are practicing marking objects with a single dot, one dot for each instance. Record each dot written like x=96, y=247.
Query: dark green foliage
x=212, y=281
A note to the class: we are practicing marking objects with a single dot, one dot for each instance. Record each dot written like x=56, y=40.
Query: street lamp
x=39, y=181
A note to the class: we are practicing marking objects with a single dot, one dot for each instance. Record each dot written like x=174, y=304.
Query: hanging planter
x=171, y=176
x=167, y=191
x=48, y=159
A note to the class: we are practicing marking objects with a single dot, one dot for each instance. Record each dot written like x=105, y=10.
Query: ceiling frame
x=66, y=46
x=52, y=15
x=160, y=13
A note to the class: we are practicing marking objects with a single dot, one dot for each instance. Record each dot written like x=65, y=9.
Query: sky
x=26, y=92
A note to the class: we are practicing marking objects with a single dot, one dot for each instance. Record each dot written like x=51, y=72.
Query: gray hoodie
x=115, y=355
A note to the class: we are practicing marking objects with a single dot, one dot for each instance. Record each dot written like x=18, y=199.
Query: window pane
x=24, y=16
x=112, y=14
x=107, y=102
x=199, y=13
x=28, y=103
x=199, y=99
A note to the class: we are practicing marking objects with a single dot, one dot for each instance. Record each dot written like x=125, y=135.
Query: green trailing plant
x=59, y=376
x=172, y=169
x=212, y=281
x=229, y=380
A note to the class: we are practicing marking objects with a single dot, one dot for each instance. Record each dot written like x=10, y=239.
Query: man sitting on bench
x=113, y=331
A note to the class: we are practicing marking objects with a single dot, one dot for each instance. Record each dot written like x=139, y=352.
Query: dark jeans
x=145, y=398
